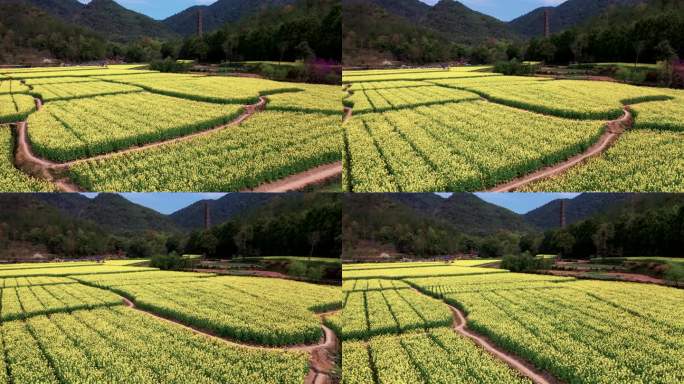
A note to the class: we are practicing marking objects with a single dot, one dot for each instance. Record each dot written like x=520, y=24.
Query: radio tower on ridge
x=547, y=24
x=200, y=27
x=562, y=214
x=207, y=216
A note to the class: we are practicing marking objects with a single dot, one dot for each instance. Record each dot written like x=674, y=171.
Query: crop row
x=77, y=90
x=108, y=280
x=57, y=264
x=15, y=107
x=119, y=345
x=11, y=86
x=67, y=130
x=468, y=146
x=354, y=285
x=382, y=100
x=390, y=311
x=267, y=147
x=75, y=73
x=577, y=337
x=273, y=317
x=641, y=161
x=416, y=264
x=24, y=302
x=396, y=272
x=313, y=98
x=436, y=356
x=572, y=99
x=667, y=115
x=11, y=179
x=13, y=282
x=439, y=286
x=349, y=77
x=225, y=90
x=67, y=270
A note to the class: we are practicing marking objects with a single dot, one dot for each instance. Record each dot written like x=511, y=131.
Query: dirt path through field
x=315, y=176
x=250, y=110
x=523, y=367
x=622, y=276
x=347, y=114
x=322, y=354
x=613, y=131
x=29, y=163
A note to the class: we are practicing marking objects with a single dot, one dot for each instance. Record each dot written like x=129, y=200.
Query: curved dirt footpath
x=614, y=129
x=523, y=367
x=526, y=369
x=320, y=363
x=347, y=114
x=28, y=162
x=299, y=181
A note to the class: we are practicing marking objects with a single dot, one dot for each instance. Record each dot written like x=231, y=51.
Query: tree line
x=307, y=30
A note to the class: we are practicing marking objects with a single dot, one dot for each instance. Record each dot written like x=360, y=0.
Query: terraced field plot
x=242, y=308
x=65, y=329
x=413, y=132
x=68, y=130
x=15, y=107
x=77, y=90
x=176, y=132
x=12, y=179
x=269, y=146
x=394, y=334
x=576, y=331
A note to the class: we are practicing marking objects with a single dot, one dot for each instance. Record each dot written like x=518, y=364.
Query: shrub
x=514, y=68
x=172, y=261
x=170, y=65
x=525, y=262
x=631, y=75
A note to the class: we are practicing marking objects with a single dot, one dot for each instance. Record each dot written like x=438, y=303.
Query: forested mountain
x=72, y=225
x=376, y=31
x=579, y=208
x=465, y=212
x=647, y=32
x=27, y=32
x=111, y=212
x=293, y=224
x=566, y=15
x=410, y=30
x=221, y=210
x=427, y=224
x=235, y=30
x=105, y=17
x=597, y=224
x=217, y=14
x=461, y=24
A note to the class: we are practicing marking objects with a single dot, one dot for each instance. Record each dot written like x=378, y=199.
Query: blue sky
x=166, y=203
x=505, y=10
x=520, y=202
x=161, y=9
x=502, y=9
x=171, y=202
